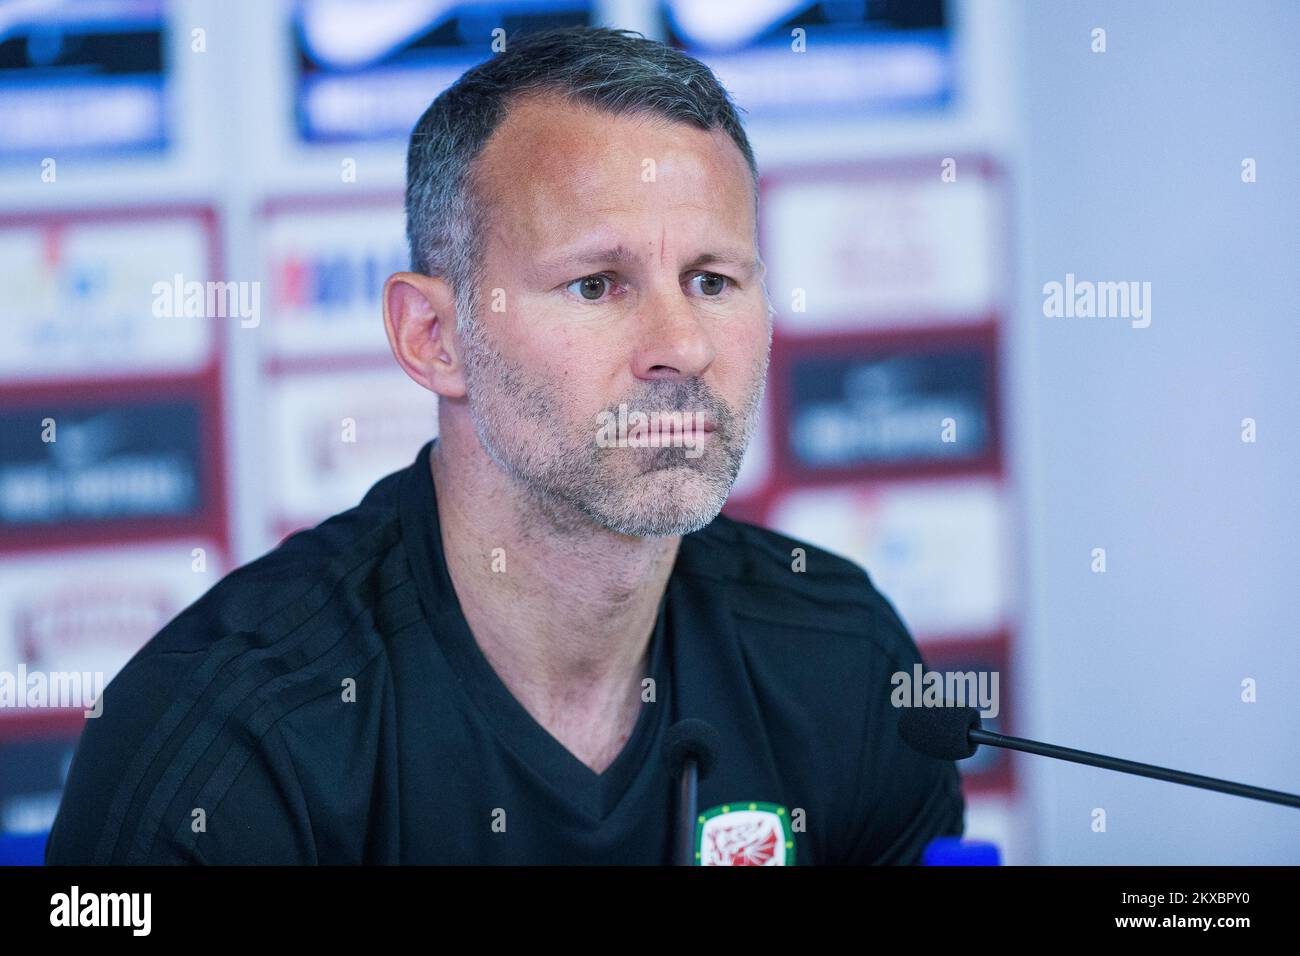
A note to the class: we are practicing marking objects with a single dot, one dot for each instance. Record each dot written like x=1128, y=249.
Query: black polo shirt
x=327, y=703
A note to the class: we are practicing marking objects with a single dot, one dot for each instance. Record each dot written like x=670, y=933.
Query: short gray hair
x=619, y=71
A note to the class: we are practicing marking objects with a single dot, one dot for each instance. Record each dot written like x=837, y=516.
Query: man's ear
x=420, y=320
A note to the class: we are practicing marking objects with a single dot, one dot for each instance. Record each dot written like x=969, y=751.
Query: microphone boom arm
x=980, y=736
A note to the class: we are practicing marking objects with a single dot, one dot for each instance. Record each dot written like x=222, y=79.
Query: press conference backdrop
x=199, y=203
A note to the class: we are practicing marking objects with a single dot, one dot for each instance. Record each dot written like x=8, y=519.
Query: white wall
x=1132, y=438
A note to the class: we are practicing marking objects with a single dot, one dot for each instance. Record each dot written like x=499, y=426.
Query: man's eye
x=592, y=288
x=711, y=284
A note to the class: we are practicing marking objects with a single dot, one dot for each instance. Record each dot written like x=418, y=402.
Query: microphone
x=690, y=753
x=954, y=733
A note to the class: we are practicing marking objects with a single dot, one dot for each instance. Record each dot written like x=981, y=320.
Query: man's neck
x=561, y=608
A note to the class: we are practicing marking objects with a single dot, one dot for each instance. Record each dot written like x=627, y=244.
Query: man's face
x=621, y=284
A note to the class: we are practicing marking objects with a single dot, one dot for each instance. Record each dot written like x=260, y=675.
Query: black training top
x=327, y=703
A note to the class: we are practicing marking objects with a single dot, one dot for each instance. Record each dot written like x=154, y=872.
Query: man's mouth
x=690, y=425
x=658, y=428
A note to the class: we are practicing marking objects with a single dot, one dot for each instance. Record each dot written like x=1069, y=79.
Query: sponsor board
x=936, y=549
x=888, y=405
x=867, y=58
x=109, y=461
x=327, y=261
x=365, y=76
x=35, y=761
x=331, y=435
x=80, y=291
x=88, y=610
x=887, y=247
x=84, y=77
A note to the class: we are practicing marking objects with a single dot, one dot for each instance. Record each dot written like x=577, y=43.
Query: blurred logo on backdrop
x=335, y=434
x=78, y=297
x=867, y=57
x=83, y=76
x=341, y=414
x=36, y=766
x=903, y=248
x=328, y=267
x=937, y=549
x=94, y=462
x=367, y=70
x=889, y=408
x=91, y=609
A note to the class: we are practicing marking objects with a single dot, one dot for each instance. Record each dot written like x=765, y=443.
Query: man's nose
x=674, y=339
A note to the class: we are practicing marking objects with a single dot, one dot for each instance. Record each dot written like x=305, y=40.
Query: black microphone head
x=942, y=732
x=691, y=738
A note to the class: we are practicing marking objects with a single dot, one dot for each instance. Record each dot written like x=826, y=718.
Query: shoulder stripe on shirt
x=246, y=682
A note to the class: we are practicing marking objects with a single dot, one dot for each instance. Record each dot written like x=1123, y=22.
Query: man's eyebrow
x=622, y=255
x=615, y=255
x=745, y=259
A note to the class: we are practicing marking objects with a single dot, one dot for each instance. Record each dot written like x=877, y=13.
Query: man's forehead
x=593, y=251
x=568, y=171
x=556, y=118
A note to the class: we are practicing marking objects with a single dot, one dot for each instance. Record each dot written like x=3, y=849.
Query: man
x=480, y=662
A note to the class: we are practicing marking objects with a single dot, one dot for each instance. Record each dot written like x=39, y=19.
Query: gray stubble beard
x=574, y=489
